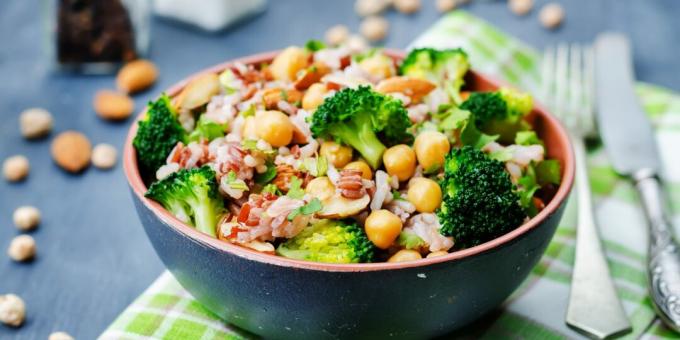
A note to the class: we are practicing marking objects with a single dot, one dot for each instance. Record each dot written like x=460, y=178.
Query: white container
x=210, y=15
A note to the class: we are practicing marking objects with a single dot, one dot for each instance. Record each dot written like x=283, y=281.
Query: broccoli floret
x=362, y=119
x=208, y=130
x=500, y=113
x=446, y=68
x=192, y=196
x=479, y=201
x=410, y=240
x=329, y=241
x=157, y=135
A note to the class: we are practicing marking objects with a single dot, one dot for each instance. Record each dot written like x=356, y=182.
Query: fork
x=567, y=87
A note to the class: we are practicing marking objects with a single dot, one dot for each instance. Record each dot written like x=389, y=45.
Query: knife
x=630, y=145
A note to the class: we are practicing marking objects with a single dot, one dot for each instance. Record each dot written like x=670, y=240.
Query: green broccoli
x=157, y=135
x=446, y=68
x=479, y=202
x=410, y=240
x=363, y=119
x=331, y=241
x=192, y=196
x=207, y=129
x=500, y=113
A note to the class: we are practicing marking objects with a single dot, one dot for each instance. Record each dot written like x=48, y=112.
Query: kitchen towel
x=536, y=310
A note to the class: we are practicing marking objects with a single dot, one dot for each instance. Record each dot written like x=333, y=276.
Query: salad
x=336, y=155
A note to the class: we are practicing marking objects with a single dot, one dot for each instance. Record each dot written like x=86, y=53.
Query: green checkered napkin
x=165, y=310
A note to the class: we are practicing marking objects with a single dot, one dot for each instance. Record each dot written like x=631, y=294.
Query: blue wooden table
x=93, y=257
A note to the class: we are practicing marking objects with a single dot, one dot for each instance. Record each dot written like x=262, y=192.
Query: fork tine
x=562, y=81
x=575, y=82
x=589, y=91
x=548, y=77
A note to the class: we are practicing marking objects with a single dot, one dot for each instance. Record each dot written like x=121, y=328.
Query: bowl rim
x=139, y=188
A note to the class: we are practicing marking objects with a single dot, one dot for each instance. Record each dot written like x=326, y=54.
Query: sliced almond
x=262, y=247
x=341, y=207
x=136, y=76
x=199, y=91
x=415, y=88
x=113, y=105
x=71, y=150
x=273, y=96
x=311, y=75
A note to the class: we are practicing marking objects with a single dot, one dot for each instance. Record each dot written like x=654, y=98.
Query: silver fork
x=567, y=82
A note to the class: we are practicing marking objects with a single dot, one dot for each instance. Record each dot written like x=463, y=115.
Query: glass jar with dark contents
x=96, y=36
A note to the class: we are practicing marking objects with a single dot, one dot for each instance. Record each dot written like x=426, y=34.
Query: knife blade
x=624, y=128
x=629, y=142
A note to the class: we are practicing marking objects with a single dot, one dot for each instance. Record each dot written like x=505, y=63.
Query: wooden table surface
x=93, y=256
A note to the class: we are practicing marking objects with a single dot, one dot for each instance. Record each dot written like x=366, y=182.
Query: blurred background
x=93, y=257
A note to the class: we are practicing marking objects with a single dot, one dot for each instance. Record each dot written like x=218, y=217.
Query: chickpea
x=15, y=168
x=337, y=35
x=12, y=310
x=437, y=253
x=26, y=217
x=400, y=160
x=374, y=28
x=382, y=228
x=361, y=165
x=60, y=336
x=249, y=128
x=275, y=128
x=287, y=64
x=405, y=255
x=22, y=248
x=425, y=194
x=431, y=148
x=104, y=156
x=338, y=155
x=321, y=188
x=314, y=96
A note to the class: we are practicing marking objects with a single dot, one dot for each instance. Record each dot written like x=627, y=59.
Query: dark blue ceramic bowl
x=282, y=298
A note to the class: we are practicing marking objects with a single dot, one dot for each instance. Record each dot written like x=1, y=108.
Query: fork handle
x=663, y=270
x=594, y=307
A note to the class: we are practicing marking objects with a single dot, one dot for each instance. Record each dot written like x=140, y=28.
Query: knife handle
x=663, y=256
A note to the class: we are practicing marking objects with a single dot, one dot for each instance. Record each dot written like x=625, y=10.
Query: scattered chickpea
x=551, y=15
x=370, y=7
x=314, y=96
x=321, y=188
x=15, y=168
x=437, y=253
x=287, y=63
x=337, y=35
x=431, y=148
x=400, y=160
x=362, y=166
x=22, y=248
x=26, y=217
x=357, y=43
x=444, y=6
x=274, y=127
x=60, y=336
x=425, y=194
x=374, y=28
x=520, y=7
x=407, y=6
x=12, y=310
x=382, y=228
x=104, y=156
x=35, y=123
x=405, y=255
x=339, y=155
